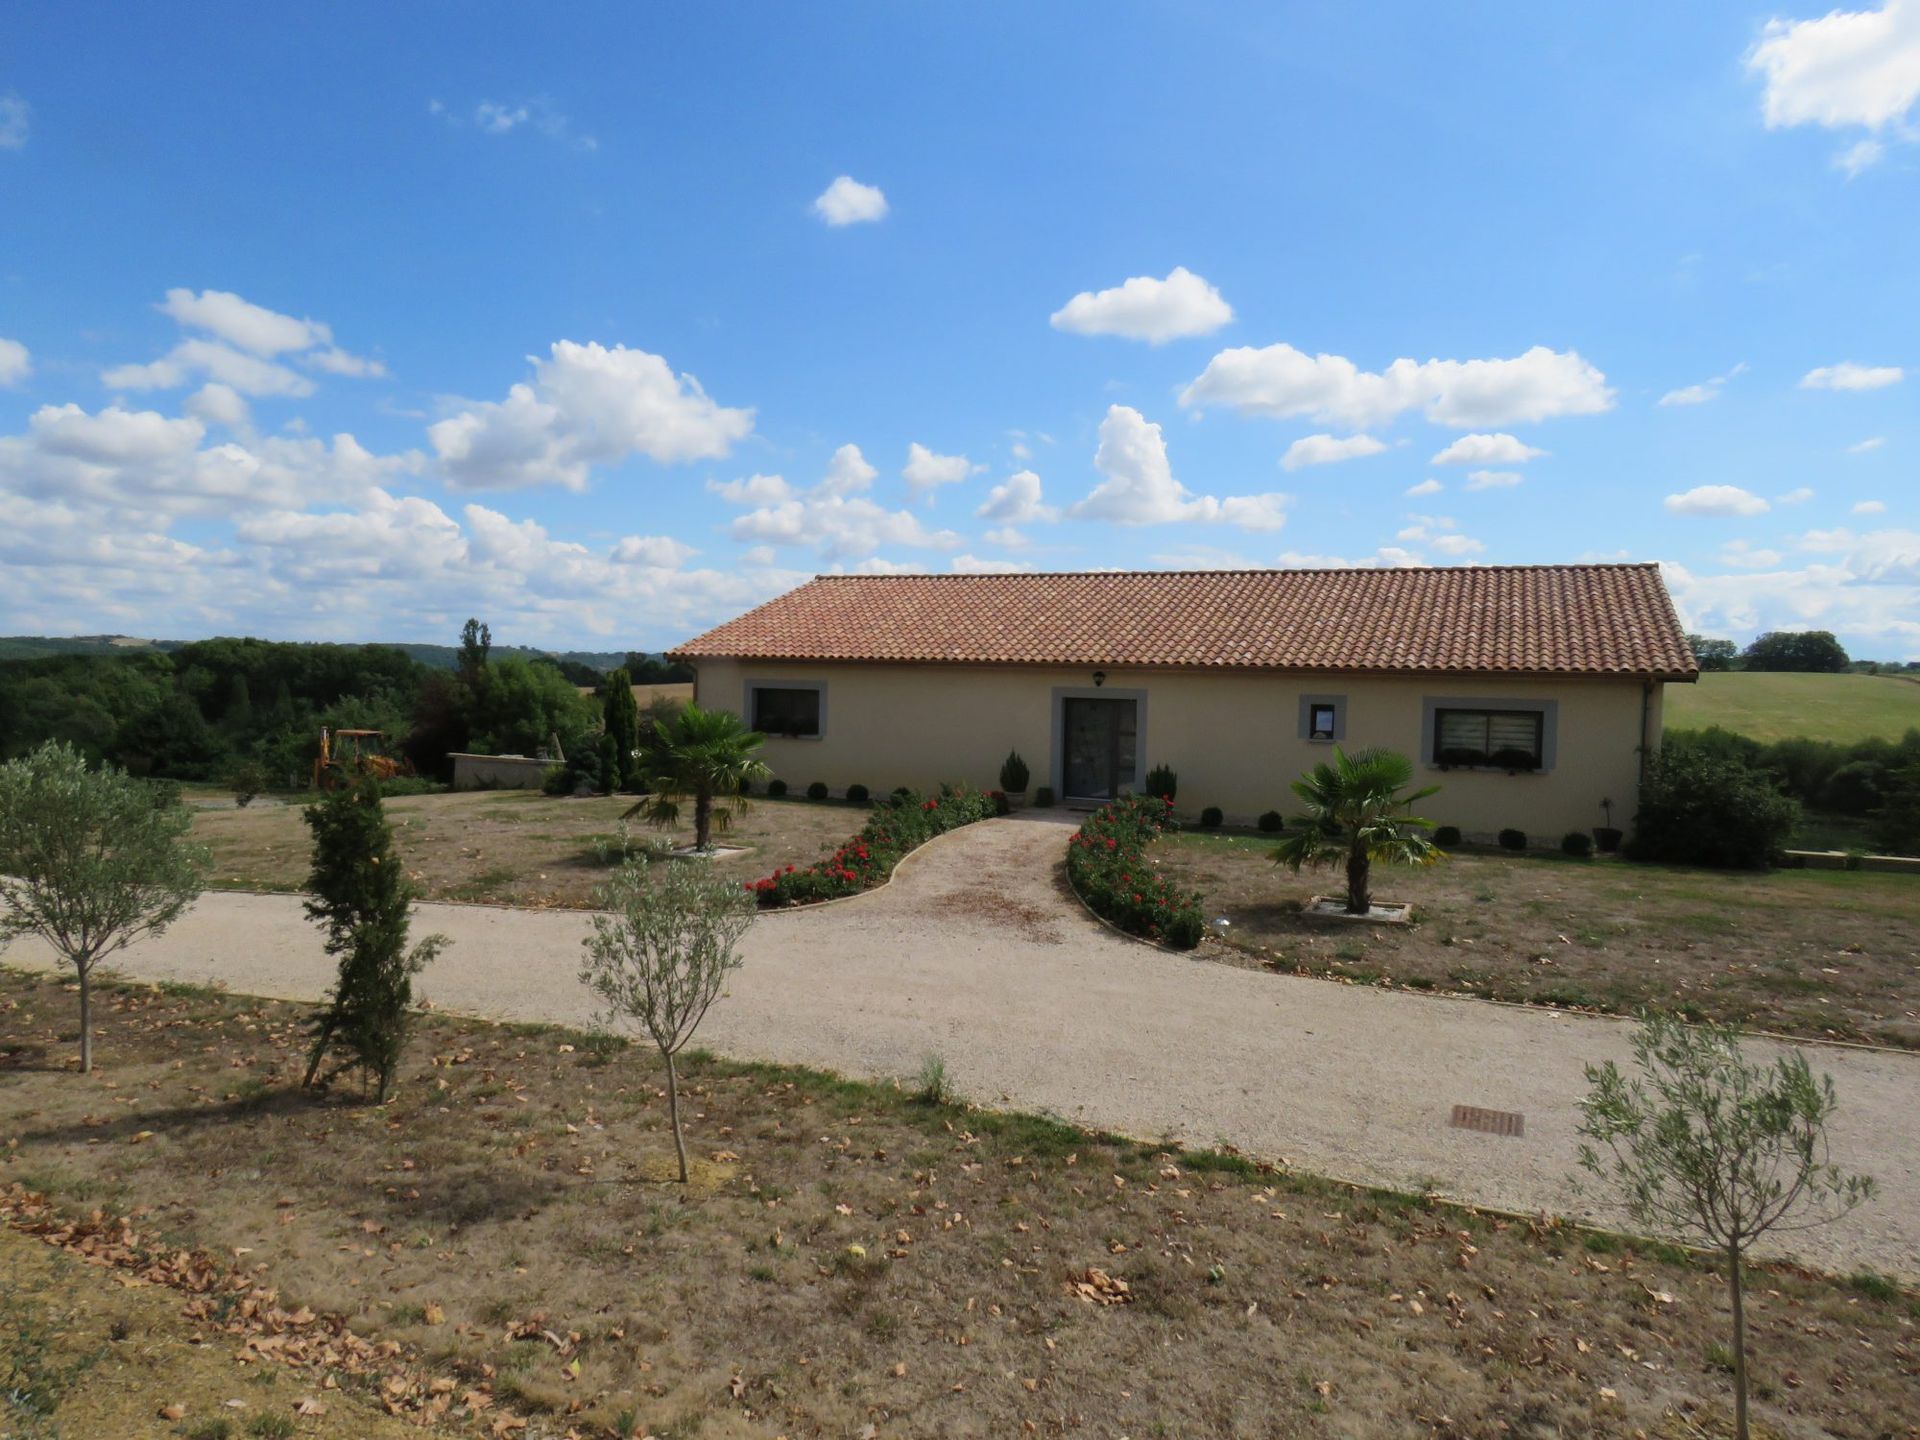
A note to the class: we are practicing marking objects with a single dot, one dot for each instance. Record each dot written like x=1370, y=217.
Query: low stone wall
x=1841, y=860
x=498, y=772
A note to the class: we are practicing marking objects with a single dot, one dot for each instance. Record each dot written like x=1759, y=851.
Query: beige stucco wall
x=1233, y=738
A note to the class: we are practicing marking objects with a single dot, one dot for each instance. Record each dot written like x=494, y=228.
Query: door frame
x=1063, y=693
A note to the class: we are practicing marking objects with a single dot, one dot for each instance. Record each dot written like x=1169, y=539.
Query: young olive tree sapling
x=1706, y=1146
x=660, y=955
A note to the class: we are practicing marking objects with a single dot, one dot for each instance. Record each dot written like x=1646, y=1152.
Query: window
x=1323, y=718
x=1497, y=739
x=793, y=712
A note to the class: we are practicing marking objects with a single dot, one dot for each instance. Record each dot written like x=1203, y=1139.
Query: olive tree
x=90, y=861
x=1704, y=1145
x=660, y=955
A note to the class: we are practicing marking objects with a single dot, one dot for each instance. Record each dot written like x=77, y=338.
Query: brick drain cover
x=1490, y=1122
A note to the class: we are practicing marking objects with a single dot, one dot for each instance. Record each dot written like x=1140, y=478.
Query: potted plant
x=1013, y=780
x=1605, y=836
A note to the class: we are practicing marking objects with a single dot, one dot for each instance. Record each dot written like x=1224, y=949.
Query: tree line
x=1803, y=651
x=208, y=709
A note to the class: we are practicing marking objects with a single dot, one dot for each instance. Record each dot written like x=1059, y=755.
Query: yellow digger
x=346, y=753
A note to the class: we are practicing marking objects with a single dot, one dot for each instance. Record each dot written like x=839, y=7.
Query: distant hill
x=444, y=657
x=32, y=647
x=447, y=657
x=1773, y=706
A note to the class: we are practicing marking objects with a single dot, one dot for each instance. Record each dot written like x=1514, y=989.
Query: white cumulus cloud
x=831, y=518
x=1870, y=507
x=241, y=322
x=1429, y=486
x=1717, y=500
x=1328, y=450
x=1847, y=68
x=15, y=363
x=1493, y=479
x=1282, y=382
x=1017, y=501
x=847, y=202
x=1482, y=449
x=587, y=405
x=15, y=122
x=1849, y=376
x=1867, y=446
x=1140, y=489
x=926, y=471
x=245, y=352
x=1143, y=308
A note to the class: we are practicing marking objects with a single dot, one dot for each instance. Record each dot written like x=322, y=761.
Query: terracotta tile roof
x=1477, y=620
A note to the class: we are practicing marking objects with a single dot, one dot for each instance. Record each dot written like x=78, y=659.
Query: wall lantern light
x=1099, y=678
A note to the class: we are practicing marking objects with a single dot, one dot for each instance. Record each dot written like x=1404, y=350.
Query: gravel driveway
x=979, y=954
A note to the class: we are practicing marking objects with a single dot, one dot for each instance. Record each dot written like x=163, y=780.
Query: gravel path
x=978, y=953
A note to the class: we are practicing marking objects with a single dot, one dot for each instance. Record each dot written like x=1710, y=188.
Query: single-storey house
x=1530, y=694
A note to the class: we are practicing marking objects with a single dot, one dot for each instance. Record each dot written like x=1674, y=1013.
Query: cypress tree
x=622, y=718
x=361, y=898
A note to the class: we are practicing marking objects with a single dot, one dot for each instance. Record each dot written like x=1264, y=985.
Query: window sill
x=1484, y=770
x=772, y=736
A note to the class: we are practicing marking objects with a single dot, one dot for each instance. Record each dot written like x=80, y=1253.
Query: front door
x=1100, y=740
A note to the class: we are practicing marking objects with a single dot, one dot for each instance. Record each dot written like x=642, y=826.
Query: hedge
x=1107, y=862
x=902, y=823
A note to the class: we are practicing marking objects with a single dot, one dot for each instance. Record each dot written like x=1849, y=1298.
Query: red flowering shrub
x=1108, y=864
x=899, y=824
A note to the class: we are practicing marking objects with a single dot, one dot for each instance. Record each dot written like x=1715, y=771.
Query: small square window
x=1323, y=719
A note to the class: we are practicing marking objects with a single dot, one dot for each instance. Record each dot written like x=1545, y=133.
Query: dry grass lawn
x=1823, y=954
x=510, y=847
x=104, y=1354
x=854, y=1261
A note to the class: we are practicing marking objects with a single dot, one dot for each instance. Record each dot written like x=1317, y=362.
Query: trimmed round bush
x=817, y=790
x=776, y=788
x=857, y=794
x=903, y=792
x=1272, y=821
x=1513, y=839
x=1702, y=807
x=1578, y=844
x=1447, y=836
x=1211, y=818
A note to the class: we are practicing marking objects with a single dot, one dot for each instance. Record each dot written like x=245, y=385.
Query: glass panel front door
x=1100, y=740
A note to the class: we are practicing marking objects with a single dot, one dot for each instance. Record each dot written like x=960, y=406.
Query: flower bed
x=1107, y=862
x=899, y=824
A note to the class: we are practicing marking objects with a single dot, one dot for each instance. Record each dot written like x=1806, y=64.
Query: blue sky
x=608, y=322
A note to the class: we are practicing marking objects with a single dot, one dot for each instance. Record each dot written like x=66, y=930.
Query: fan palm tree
x=1357, y=815
x=704, y=756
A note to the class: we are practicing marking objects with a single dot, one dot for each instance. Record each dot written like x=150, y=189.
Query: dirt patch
x=855, y=1258
x=513, y=847
x=990, y=905
x=1830, y=955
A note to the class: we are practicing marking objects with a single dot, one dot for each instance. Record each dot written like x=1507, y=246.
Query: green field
x=1769, y=706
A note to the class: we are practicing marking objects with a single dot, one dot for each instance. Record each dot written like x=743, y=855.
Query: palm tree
x=1356, y=814
x=708, y=757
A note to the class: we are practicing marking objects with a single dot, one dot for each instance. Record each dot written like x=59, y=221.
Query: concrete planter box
x=1380, y=912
